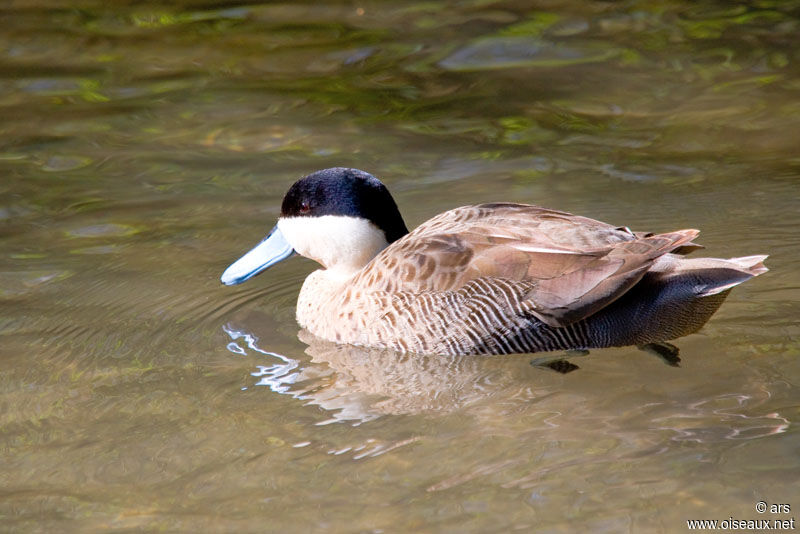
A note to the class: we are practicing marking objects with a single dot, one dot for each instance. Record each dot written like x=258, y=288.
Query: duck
x=492, y=278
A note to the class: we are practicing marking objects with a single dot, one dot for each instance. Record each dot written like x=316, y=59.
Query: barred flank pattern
x=486, y=316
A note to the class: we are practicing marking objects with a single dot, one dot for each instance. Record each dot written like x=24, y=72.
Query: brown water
x=143, y=148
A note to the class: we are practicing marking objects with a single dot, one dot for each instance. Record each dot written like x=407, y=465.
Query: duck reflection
x=357, y=384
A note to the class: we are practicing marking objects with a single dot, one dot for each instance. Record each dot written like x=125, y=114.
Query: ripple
x=257, y=138
x=102, y=249
x=18, y=283
x=104, y=230
x=14, y=212
x=65, y=163
x=732, y=415
x=510, y=52
x=651, y=173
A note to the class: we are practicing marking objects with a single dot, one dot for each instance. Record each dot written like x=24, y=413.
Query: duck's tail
x=753, y=264
x=712, y=276
x=732, y=272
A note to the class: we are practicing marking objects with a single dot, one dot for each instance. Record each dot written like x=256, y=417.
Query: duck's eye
x=305, y=206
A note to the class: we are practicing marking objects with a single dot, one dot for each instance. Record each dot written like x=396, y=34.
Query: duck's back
x=570, y=266
x=505, y=278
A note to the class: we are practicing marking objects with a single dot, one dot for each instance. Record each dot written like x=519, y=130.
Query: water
x=144, y=147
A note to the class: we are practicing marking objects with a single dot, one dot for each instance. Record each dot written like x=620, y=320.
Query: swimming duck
x=493, y=278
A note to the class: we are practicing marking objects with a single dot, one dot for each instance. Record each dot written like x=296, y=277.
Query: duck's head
x=340, y=218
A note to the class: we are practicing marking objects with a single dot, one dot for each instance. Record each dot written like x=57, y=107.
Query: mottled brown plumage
x=503, y=278
x=574, y=265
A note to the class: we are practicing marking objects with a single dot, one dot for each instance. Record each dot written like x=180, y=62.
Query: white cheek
x=334, y=241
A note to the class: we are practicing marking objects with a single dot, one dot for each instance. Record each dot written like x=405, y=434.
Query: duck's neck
x=318, y=295
x=343, y=245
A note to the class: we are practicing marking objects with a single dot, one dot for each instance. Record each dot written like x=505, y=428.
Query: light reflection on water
x=144, y=147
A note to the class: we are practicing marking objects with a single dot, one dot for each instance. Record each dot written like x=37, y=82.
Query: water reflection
x=355, y=385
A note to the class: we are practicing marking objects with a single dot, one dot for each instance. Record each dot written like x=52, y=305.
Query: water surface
x=143, y=147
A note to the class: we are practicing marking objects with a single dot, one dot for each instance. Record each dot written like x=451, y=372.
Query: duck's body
x=486, y=279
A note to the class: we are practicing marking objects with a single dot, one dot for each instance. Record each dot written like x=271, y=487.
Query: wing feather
x=572, y=266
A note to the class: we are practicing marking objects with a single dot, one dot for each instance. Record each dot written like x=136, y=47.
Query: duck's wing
x=568, y=266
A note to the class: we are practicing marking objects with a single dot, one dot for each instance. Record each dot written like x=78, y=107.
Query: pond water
x=143, y=148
